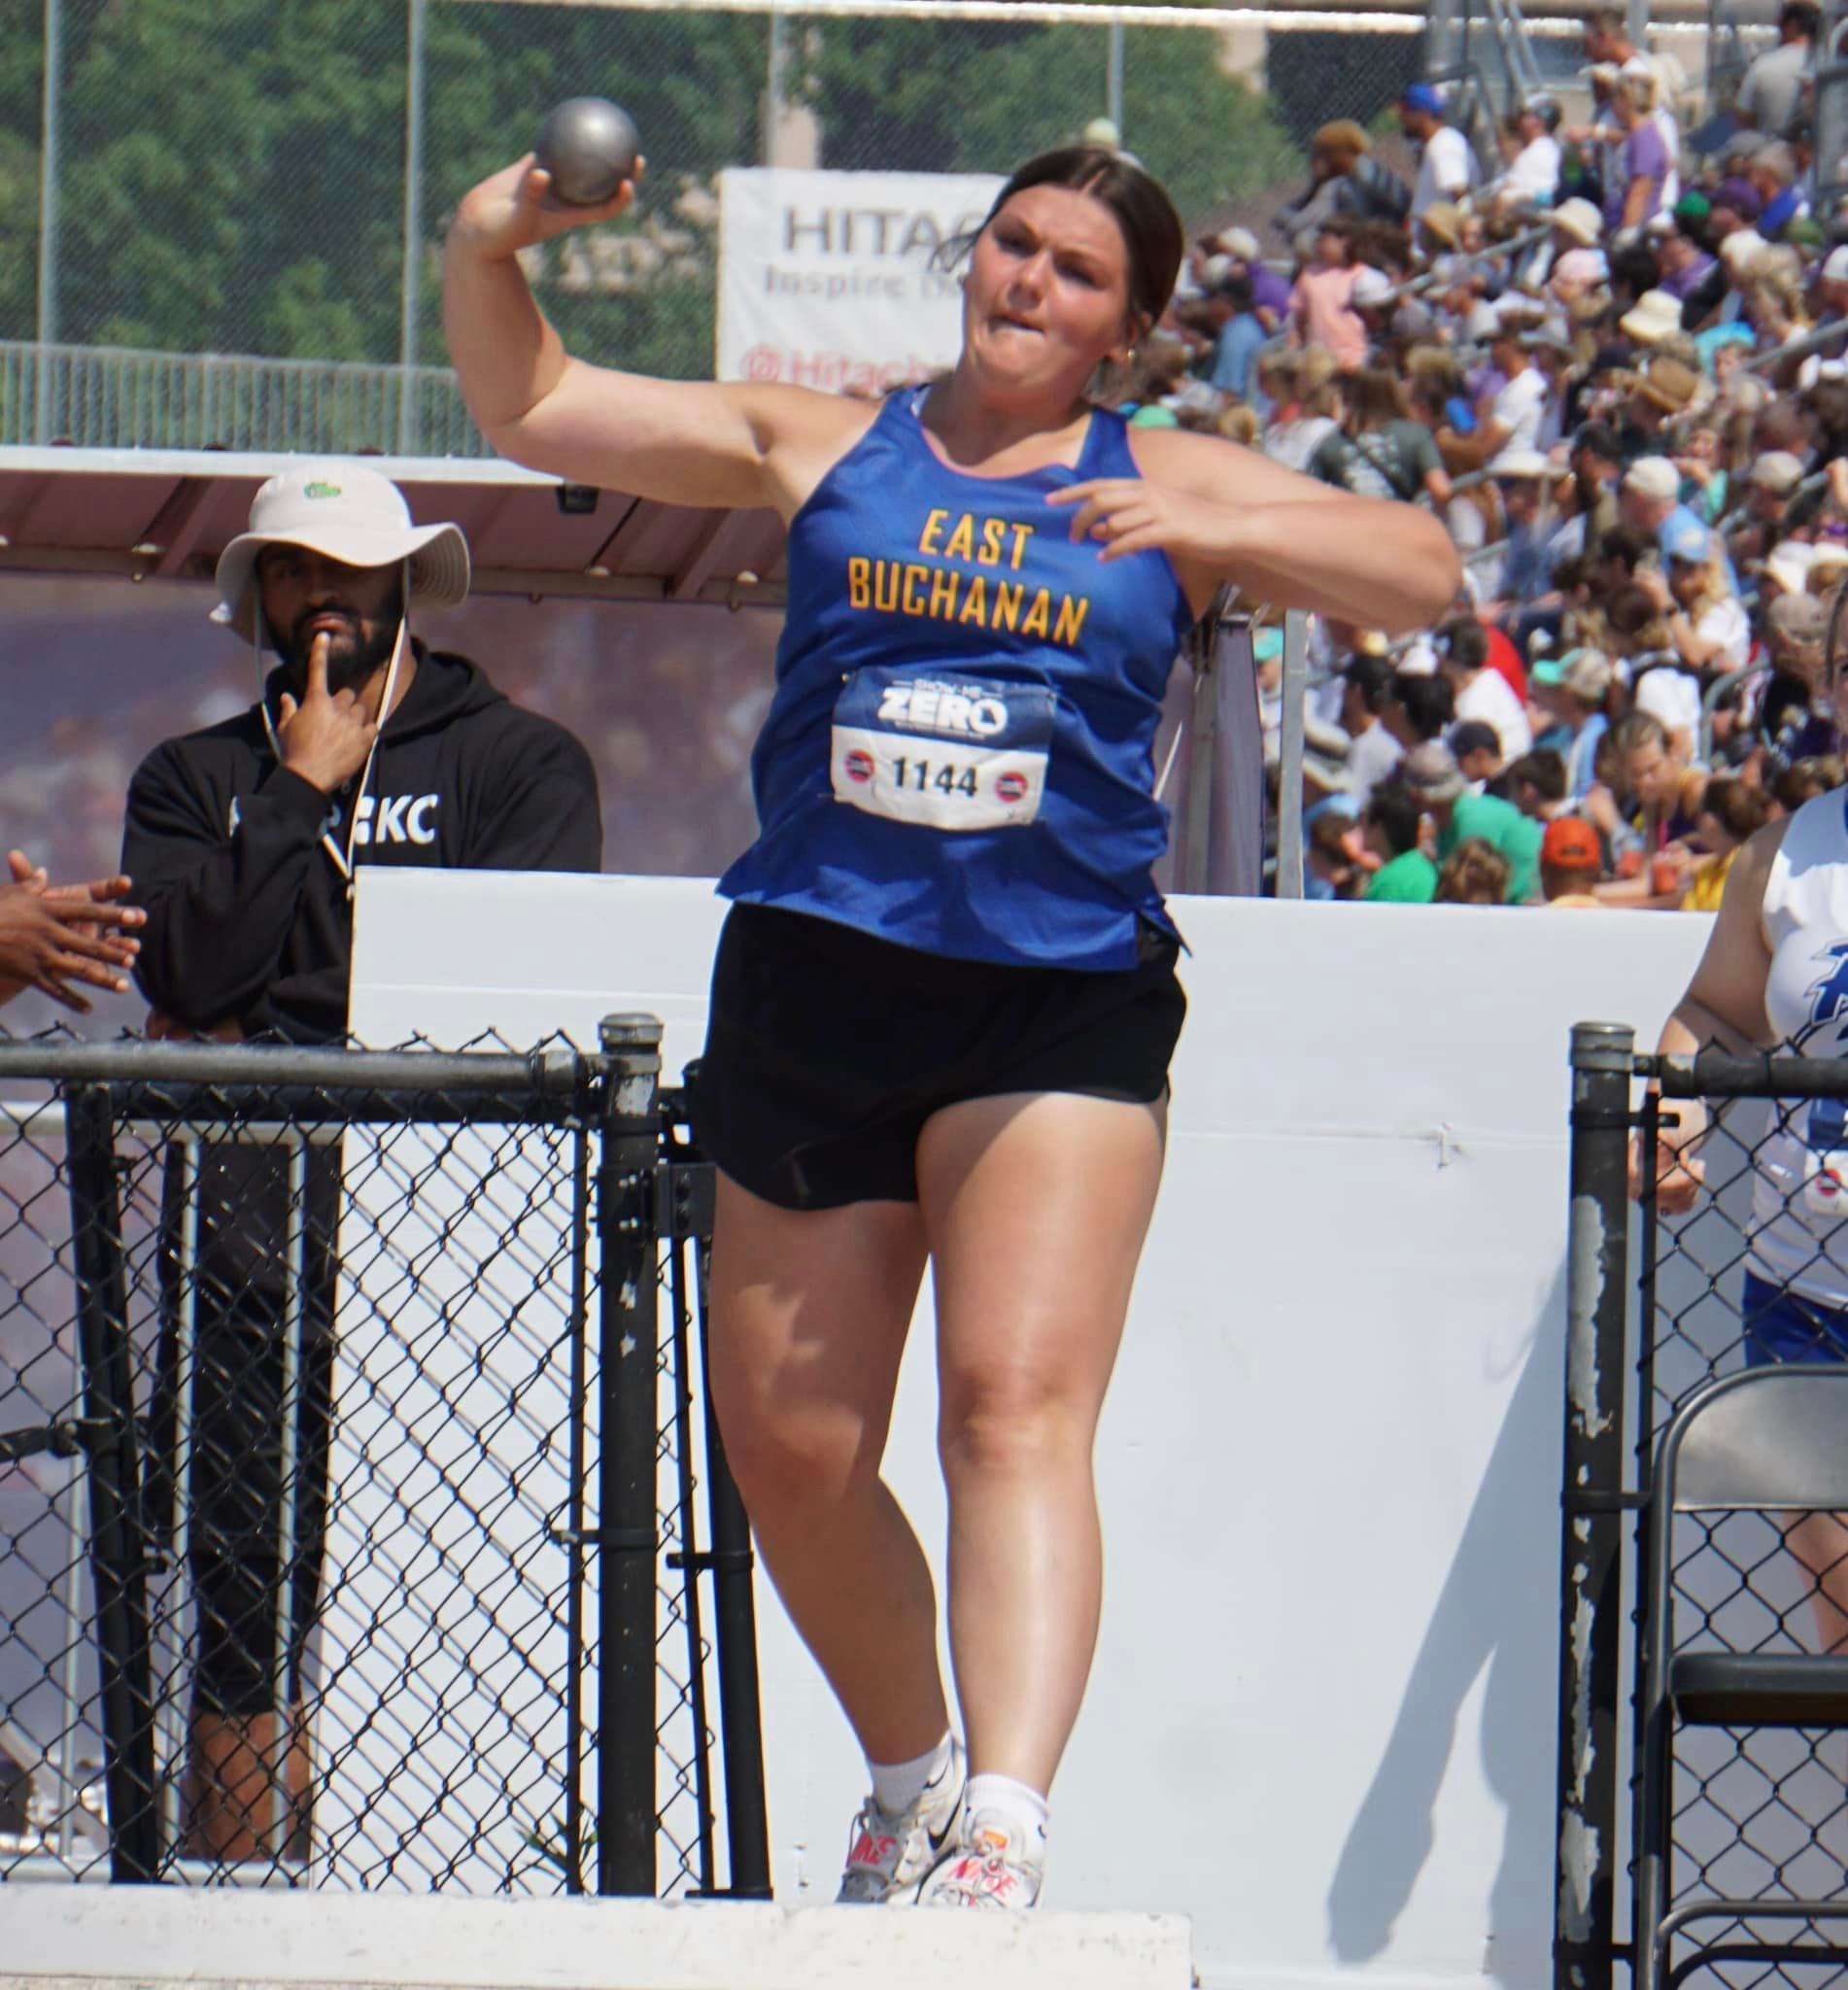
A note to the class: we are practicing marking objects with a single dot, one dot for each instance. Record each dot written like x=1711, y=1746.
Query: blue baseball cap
x=1422, y=97
x=1684, y=539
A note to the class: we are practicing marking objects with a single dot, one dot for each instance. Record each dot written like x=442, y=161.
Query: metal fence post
x=1592, y=1504
x=411, y=301
x=118, y=1543
x=734, y=1611
x=625, y=1522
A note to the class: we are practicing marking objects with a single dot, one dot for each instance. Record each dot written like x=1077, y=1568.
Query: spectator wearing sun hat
x=1793, y=719
x=1520, y=478
x=364, y=747
x=1649, y=501
x=1654, y=317
x=1270, y=287
x=1585, y=676
x=1786, y=570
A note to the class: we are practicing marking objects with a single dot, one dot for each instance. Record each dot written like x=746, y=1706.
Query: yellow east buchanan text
x=992, y=550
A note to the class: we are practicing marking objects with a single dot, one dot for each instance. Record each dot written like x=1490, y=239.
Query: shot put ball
x=588, y=146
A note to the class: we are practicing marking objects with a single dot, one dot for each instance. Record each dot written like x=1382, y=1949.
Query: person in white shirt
x=1482, y=693
x=1771, y=96
x=1515, y=415
x=1375, y=752
x=1533, y=174
x=1447, y=167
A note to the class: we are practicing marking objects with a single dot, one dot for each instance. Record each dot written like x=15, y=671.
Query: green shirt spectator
x=1516, y=835
x=1410, y=879
x=1392, y=822
x=1436, y=782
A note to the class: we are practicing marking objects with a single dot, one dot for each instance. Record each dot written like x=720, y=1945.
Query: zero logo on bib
x=943, y=752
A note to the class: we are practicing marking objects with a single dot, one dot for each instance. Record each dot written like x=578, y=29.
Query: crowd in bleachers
x=1608, y=355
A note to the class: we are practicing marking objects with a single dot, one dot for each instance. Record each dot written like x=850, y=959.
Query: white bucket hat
x=346, y=512
x=1580, y=220
x=1654, y=317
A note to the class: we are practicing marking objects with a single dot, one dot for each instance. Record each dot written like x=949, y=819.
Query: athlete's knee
x=1013, y=1421
x=786, y=1455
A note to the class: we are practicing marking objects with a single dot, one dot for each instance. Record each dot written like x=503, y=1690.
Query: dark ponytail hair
x=1152, y=229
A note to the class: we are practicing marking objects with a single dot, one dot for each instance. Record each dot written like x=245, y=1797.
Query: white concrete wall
x=1322, y=1717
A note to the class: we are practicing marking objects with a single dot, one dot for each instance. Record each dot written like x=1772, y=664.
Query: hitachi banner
x=834, y=280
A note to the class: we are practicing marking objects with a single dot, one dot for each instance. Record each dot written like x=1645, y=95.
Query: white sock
x=1018, y=1808
x=898, y=1785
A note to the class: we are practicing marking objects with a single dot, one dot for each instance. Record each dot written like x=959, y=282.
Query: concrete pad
x=94, y=1937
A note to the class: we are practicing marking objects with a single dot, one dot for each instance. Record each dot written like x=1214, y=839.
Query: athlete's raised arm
x=682, y=442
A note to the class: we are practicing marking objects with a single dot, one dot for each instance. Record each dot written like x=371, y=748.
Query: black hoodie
x=249, y=918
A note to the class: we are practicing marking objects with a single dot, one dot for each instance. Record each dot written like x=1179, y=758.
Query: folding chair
x=1772, y=1440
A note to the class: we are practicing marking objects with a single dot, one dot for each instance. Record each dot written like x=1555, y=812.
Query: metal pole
x=287, y=1532
x=408, y=328
x=47, y=213
x=118, y=1543
x=1592, y=1507
x=626, y=1520
x=1289, y=771
x=1114, y=80
x=574, y=1515
x=774, y=87
x=690, y=1559
x=1196, y=849
x=734, y=1615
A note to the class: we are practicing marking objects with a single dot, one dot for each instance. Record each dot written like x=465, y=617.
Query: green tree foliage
x=980, y=96
x=233, y=169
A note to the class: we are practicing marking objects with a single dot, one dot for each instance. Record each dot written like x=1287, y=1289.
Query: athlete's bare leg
x=1036, y=1207
x=809, y=1314
x=1819, y=1542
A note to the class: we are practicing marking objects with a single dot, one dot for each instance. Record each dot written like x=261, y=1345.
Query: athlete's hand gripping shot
x=945, y=998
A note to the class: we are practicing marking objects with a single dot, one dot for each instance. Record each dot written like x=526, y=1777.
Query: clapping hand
x=56, y=936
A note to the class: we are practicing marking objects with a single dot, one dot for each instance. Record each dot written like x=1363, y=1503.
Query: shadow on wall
x=1480, y=1619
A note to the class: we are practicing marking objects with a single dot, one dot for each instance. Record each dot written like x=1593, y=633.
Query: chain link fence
x=1664, y=1303
x=358, y=1493
x=253, y=180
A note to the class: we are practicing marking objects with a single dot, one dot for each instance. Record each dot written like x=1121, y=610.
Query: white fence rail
x=110, y=398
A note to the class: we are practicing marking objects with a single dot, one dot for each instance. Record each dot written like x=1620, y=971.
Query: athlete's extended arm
x=681, y=442
x=1722, y=1007
x=1223, y=513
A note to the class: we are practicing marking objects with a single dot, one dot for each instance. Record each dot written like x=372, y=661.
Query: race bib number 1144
x=943, y=752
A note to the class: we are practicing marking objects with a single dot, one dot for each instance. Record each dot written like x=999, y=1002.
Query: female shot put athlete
x=944, y=1002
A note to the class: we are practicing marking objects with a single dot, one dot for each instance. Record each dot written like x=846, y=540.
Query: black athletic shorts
x=827, y=1050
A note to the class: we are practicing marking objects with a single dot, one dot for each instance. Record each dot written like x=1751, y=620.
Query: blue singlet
x=960, y=753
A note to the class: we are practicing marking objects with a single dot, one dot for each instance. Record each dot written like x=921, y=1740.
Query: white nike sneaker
x=991, y=1868
x=887, y=1856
